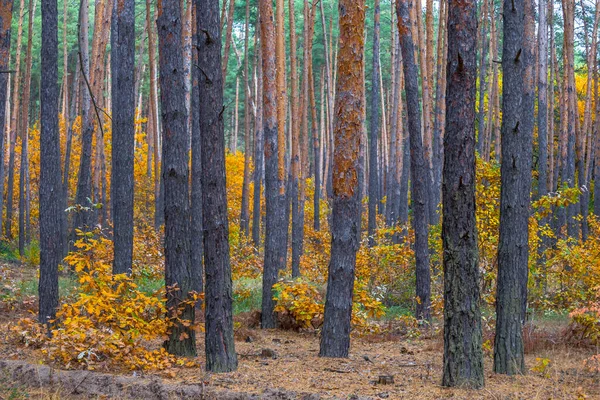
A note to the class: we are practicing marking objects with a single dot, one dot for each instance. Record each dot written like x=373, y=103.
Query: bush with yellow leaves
x=303, y=302
x=109, y=323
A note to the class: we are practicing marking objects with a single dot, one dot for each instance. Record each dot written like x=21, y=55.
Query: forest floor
x=276, y=364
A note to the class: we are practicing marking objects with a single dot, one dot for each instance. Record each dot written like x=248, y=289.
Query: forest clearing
x=301, y=199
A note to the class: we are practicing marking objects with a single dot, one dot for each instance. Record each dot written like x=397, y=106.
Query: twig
x=87, y=83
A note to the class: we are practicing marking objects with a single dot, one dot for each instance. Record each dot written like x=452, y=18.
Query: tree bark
x=463, y=355
x=16, y=98
x=50, y=170
x=276, y=228
x=6, y=8
x=245, y=211
x=259, y=153
x=196, y=227
x=513, y=247
x=24, y=167
x=178, y=274
x=123, y=131
x=374, y=130
x=335, y=336
x=420, y=171
x=220, y=349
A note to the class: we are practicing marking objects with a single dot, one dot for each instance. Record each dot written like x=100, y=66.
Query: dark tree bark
x=245, y=209
x=513, y=247
x=84, y=183
x=349, y=106
x=50, y=170
x=178, y=274
x=463, y=355
x=482, y=76
x=220, y=349
x=196, y=229
x=542, y=100
x=439, y=113
x=276, y=227
x=420, y=173
x=374, y=131
x=24, y=167
x=123, y=131
x=259, y=153
x=6, y=8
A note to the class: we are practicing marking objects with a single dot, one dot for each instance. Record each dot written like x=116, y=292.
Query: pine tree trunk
x=123, y=132
x=482, y=73
x=196, y=229
x=6, y=7
x=228, y=39
x=259, y=153
x=84, y=185
x=420, y=172
x=178, y=274
x=245, y=211
x=335, y=335
x=513, y=247
x=220, y=349
x=374, y=131
x=439, y=113
x=50, y=169
x=275, y=234
x=24, y=167
x=463, y=355
x=16, y=98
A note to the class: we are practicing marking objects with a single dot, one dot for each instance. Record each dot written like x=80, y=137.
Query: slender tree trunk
x=24, y=167
x=513, y=247
x=374, y=130
x=6, y=8
x=335, y=336
x=439, y=113
x=275, y=235
x=420, y=176
x=482, y=73
x=245, y=211
x=228, y=39
x=220, y=348
x=178, y=274
x=196, y=228
x=296, y=118
x=157, y=135
x=123, y=131
x=16, y=98
x=84, y=184
x=259, y=152
x=463, y=355
x=50, y=170
x=316, y=146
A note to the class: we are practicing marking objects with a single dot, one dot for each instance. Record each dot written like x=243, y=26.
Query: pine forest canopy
x=320, y=163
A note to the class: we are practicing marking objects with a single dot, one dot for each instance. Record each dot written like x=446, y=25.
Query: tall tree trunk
x=123, y=131
x=50, y=170
x=16, y=97
x=259, y=153
x=420, y=175
x=157, y=135
x=84, y=184
x=482, y=72
x=295, y=119
x=463, y=355
x=245, y=211
x=178, y=274
x=335, y=336
x=440, y=108
x=220, y=348
x=24, y=167
x=374, y=130
x=6, y=8
x=275, y=235
x=228, y=39
x=316, y=145
x=196, y=228
x=513, y=247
